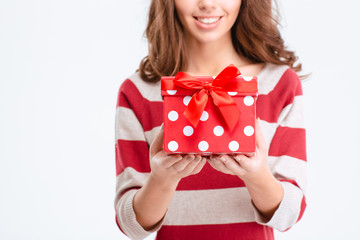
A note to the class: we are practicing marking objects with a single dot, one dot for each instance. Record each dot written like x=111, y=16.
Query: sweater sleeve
x=287, y=156
x=132, y=159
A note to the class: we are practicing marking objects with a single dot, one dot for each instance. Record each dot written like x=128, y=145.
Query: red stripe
x=290, y=142
x=133, y=154
x=152, y=115
x=302, y=208
x=289, y=181
x=209, y=178
x=127, y=87
x=238, y=231
x=149, y=113
x=121, y=100
x=269, y=106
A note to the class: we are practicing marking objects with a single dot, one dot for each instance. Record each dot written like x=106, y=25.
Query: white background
x=61, y=64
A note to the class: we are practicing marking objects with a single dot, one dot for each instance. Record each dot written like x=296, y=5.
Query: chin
x=209, y=39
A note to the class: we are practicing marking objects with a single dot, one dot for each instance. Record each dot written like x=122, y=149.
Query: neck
x=211, y=58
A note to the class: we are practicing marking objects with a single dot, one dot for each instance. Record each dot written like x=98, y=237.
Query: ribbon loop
x=217, y=89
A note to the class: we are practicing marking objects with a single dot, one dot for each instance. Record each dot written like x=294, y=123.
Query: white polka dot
x=186, y=100
x=173, y=115
x=249, y=131
x=247, y=78
x=248, y=100
x=173, y=146
x=232, y=93
x=218, y=130
x=233, y=146
x=188, y=131
x=204, y=116
x=171, y=92
x=203, y=146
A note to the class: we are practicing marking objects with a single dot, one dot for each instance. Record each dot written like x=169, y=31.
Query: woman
x=231, y=197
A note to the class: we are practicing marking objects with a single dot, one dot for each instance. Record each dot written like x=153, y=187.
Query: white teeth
x=208, y=20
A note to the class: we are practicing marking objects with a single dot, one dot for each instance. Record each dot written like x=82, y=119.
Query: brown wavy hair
x=255, y=35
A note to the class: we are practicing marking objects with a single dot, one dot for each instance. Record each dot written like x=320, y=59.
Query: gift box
x=209, y=115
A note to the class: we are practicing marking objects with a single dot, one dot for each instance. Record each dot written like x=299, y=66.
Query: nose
x=206, y=5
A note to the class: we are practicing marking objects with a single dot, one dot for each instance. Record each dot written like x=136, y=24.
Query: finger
x=259, y=136
x=192, y=165
x=158, y=142
x=243, y=161
x=216, y=163
x=180, y=165
x=232, y=165
x=169, y=160
x=199, y=166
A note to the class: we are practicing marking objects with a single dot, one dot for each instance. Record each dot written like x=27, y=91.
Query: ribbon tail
x=229, y=73
x=228, y=108
x=196, y=107
x=231, y=115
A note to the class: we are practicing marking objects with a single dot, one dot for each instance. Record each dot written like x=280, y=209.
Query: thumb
x=259, y=137
x=157, y=144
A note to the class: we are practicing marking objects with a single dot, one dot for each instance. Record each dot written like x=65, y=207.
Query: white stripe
x=269, y=77
x=150, y=91
x=127, y=217
x=217, y=206
x=127, y=126
x=151, y=134
x=293, y=114
x=286, y=167
x=129, y=178
x=268, y=130
x=288, y=211
x=229, y=205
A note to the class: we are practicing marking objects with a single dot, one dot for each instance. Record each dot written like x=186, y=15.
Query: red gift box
x=206, y=115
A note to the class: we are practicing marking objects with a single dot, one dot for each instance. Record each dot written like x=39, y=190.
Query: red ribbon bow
x=217, y=89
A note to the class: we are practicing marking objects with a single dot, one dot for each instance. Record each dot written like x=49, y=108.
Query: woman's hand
x=246, y=167
x=172, y=168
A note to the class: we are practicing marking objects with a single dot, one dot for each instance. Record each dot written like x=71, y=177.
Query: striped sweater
x=213, y=205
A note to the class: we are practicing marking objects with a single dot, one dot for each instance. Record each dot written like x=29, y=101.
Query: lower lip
x=207, y=26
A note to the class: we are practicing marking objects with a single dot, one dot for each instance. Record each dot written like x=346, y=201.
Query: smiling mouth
x=208, y=20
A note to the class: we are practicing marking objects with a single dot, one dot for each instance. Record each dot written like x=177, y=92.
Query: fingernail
x=222, y=159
